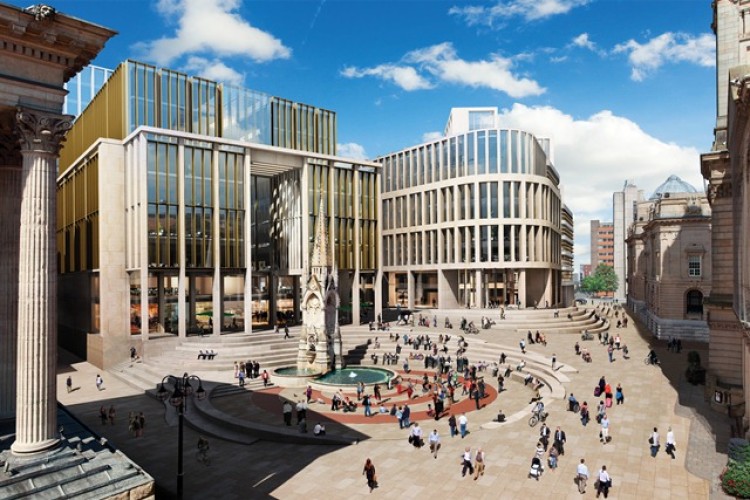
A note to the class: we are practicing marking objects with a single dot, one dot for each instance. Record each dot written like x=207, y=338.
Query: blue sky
x=624, y=88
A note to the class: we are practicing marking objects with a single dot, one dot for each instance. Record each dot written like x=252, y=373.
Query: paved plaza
x=654, y=396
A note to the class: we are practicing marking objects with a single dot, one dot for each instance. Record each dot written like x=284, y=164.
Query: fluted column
x=36, y=413
x=10, y=208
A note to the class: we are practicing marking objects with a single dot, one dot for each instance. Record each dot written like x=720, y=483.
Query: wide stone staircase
x=361, y=346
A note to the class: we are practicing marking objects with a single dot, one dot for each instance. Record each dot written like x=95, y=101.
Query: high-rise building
x=187, y=206
x=623, y=216
x=585, y=270
x=473, y=218
x=602, y=244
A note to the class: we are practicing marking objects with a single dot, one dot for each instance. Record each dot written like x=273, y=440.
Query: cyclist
x=539, y=410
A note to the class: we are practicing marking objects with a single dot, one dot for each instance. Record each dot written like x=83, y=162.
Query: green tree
x=603, y=279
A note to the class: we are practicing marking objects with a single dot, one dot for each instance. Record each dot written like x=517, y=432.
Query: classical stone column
x=10, y=208
x=36, y=411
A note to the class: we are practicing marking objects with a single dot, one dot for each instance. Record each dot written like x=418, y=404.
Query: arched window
x=694, y=303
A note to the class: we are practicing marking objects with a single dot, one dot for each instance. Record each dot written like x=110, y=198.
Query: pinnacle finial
x=320, y=246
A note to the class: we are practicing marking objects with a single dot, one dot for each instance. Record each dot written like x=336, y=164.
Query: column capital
x=41, y=131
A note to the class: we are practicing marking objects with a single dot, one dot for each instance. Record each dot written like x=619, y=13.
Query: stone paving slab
x=279, y=470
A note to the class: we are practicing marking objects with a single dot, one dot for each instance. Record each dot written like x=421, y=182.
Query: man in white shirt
x=434, y=441
x=463, y=423
x=605, y=429
x=583, y=475
x=604, y=482
x=653, y=440
x=319, y=429
x=467, y=462
x=670, y=443
x=416, y=436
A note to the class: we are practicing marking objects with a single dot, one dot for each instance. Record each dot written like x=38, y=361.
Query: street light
x=178, y=399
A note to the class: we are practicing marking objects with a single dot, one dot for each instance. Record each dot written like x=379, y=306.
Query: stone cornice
x=49, y=37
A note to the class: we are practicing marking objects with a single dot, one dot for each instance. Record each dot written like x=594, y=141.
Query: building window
x=694, y=265
x=694, y=302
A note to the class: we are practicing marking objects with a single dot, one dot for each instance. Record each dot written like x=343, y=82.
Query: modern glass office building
x=472, y=219
x=186, y=206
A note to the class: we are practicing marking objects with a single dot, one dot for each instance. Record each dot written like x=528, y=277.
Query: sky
x=625, y=89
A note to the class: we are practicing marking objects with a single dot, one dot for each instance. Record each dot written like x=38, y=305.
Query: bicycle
x=650, y=361
x=537, y=417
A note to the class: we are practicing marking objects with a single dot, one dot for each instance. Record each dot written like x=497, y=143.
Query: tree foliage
x=603, y=279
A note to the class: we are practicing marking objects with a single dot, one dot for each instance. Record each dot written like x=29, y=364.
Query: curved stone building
x=472, y=219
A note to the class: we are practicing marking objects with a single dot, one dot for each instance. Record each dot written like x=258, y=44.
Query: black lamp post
x=178, y=399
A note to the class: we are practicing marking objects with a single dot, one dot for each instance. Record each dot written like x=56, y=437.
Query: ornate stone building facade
x=725, y=168
x=669, y=255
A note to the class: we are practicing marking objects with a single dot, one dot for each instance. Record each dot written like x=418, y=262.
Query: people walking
x=619, y=396
x=466, y=463
x=369, y=472
x=559, y=440
x=479, y=463
x=604, y=482
x=103, y=415
x=670, y=447
x=463, y=423
x=582, y=474
x=69, y=383
x=286, y=410
x=111, y=415
x=453, y=425
x=553, y=454
x=604, y=433
x=286, y=331
x=653, y=442
x=366, y=405
x=99, y=382
x=434, y=441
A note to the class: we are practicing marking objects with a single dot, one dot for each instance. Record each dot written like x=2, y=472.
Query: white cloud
x=405, y=77
x=210, y=27
x=595, y=155
x=213, y=70
x=529, y=10
x=431, y=136
x=668, y=47
x=442, y=64
x=351, y=150
x=583, y=41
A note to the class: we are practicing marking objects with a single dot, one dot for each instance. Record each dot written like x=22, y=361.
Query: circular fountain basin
x=353, y=376
x=291, y=376
x=296, y=377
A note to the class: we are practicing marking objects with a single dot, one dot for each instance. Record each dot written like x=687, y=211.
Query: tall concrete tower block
x=623, y=215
